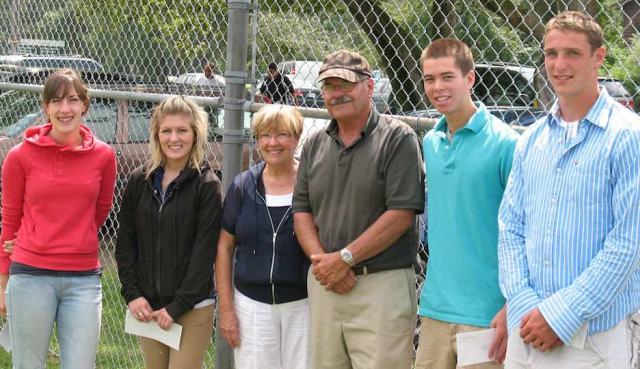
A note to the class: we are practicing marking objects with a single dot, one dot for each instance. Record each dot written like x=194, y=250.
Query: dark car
x=522, y=116
x=616, y=89
x=504, y=84
x=519, y=116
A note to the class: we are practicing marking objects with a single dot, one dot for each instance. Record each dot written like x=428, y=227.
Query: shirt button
x=548, y=231
x=59, y=171
x=553, y=200
x=59, y=164
x=547, y=263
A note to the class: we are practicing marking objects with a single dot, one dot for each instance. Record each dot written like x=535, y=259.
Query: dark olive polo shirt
x=346, y=189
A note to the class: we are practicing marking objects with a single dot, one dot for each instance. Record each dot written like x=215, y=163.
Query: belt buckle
x=364, y=270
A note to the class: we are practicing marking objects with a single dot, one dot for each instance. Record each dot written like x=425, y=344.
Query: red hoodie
x=54, y=199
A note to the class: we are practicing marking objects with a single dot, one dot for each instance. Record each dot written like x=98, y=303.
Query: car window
x=285, y=68
x=102, y=118
x=501, y=87
x=29, y=120
x=614, y=88
x=139, y=120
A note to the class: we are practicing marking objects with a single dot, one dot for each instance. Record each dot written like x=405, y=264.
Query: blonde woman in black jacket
x=169, y=224
x=264, y=313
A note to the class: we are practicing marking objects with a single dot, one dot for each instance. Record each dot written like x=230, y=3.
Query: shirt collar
x=598, y=114
x=475, y=124
x=372, y=122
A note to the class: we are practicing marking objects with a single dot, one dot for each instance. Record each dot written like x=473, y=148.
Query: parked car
x=303, y=74
x=34, y=63
x=16, y=104
x=616, y=89
x=197, y=84
x=504, y=84
x=94, y=79
x=520, y=116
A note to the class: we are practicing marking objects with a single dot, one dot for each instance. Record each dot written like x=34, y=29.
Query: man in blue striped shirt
x=569, y=244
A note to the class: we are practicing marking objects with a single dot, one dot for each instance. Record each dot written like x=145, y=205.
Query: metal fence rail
x=136, y=52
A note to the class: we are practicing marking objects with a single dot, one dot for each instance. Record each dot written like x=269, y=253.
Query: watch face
x=347, y=257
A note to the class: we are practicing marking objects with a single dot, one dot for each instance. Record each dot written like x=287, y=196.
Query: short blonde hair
x=178, y=105
x=274, y=117
x=577, y=22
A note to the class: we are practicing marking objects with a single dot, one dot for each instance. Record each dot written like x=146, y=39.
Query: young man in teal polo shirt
x=468, y=157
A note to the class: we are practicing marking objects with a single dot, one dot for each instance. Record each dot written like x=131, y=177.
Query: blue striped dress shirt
x=569, y=222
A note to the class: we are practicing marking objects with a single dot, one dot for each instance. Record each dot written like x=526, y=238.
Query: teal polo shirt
x=465, y=181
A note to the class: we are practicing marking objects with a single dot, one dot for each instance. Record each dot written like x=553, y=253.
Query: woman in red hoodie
x=57, y=190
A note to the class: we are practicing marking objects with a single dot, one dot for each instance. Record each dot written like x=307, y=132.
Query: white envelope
x=170, y=337
x=473, y=347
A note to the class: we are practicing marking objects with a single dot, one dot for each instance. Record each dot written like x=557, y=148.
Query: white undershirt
x=571, y=129
x=279, y=200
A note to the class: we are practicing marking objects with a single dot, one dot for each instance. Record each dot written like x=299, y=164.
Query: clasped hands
x=333, y=273
x=143, y=312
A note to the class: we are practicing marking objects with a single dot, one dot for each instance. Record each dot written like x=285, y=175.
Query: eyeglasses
x=278, y=136
x=344, y=86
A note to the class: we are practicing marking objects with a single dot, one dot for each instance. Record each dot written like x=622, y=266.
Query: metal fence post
x=235, y=90
x=232, y=139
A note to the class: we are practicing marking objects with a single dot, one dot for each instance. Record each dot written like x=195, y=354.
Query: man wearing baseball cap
x=360, y=185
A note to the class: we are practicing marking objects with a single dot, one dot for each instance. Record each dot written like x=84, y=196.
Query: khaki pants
x=370, y=327
x=197, y=326
x=437, y=346
x=616, y=348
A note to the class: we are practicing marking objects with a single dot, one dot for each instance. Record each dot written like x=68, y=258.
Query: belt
x=364, y=270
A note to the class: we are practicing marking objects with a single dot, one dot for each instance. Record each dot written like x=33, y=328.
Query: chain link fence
x=134, y=52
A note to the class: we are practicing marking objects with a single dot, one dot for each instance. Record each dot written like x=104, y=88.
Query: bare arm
x=329, y=269
x=386, y=230
x=4, y=278
x=307, y=234
x=224, y=275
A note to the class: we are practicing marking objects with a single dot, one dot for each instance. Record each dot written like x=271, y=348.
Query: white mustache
x=340, y=100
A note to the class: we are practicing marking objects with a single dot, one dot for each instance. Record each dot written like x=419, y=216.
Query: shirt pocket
x=591, y=183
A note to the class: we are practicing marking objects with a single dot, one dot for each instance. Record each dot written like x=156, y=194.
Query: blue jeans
x=34, y=303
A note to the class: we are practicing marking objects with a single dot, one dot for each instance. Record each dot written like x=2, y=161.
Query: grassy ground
x=116, y=350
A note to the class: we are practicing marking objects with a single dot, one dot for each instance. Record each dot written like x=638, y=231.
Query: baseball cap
x=344, y=64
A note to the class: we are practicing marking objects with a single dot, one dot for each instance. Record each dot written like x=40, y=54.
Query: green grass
x=116, y=350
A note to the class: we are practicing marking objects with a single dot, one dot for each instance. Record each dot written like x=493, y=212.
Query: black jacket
x=264, y=271
x=277, y=88
x=165, y=252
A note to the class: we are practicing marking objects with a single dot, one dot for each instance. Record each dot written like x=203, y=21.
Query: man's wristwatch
x=347, y=257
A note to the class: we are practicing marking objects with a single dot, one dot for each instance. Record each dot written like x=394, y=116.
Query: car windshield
x=502, y=87
x=21, y=125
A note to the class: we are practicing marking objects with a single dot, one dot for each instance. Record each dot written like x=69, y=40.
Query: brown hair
x=61, y=82
x=178, y=105
x=275, y=116
x=449, y=47
x=577, y=22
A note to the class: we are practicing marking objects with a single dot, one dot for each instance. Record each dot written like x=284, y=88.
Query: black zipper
x=162, y=200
